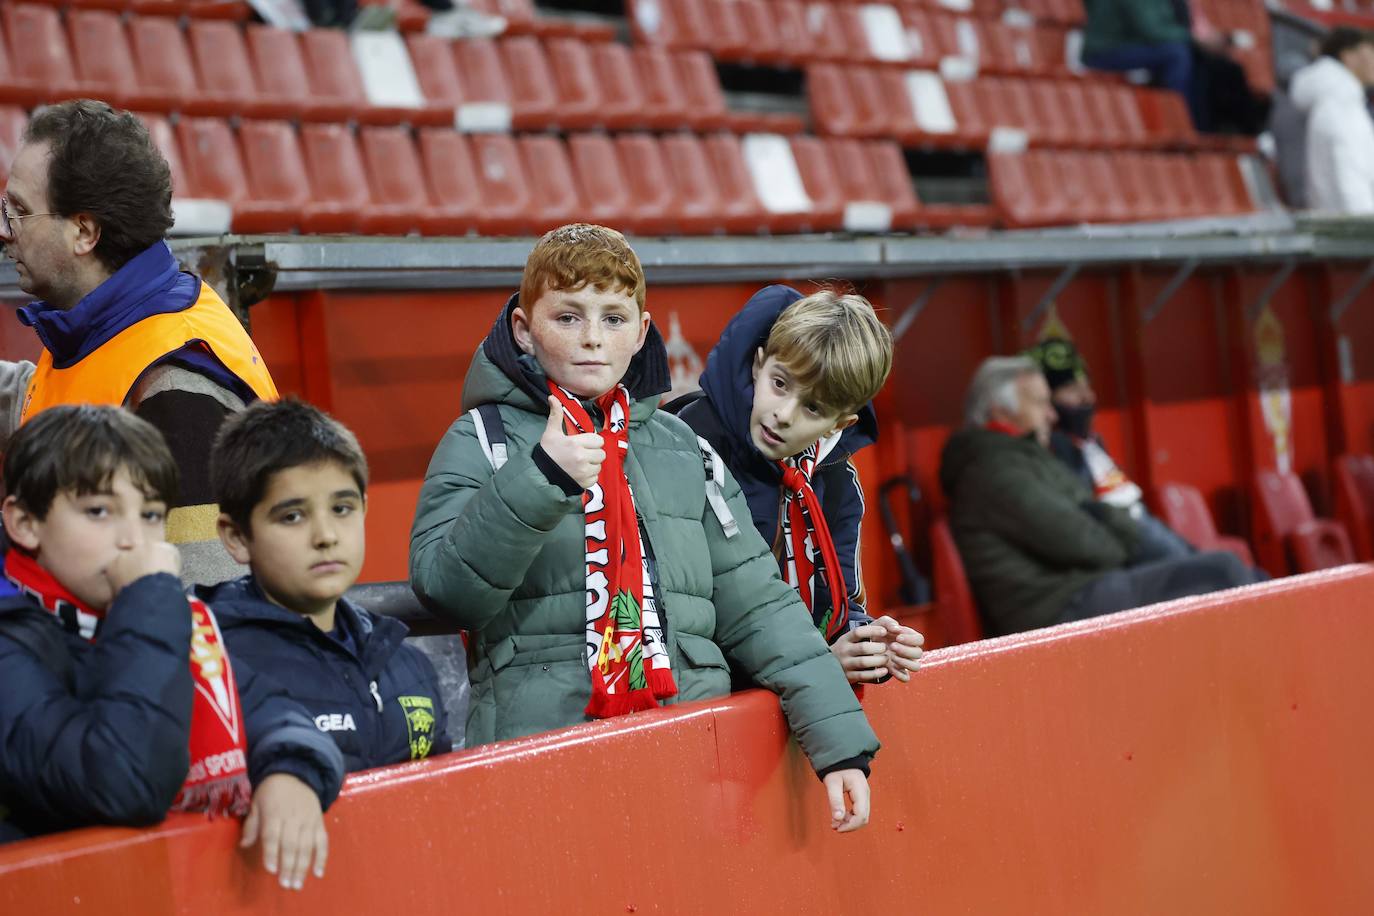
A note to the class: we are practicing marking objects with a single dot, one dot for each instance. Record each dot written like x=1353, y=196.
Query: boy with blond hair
x=120, y=701
x=786, y=401
x=566, y=523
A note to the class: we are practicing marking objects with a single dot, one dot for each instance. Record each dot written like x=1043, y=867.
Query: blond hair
x=581, y=254
x=833, y=345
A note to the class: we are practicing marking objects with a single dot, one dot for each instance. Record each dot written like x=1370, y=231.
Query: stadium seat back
x=650, y=183
x=1354, y=484
x=701, y=89
x=822, y=184
x=39, y=53
x=533, y=91
x=393, y=167
x=450, y=173
x=576, y=83
x=894, y=182
x=164, y=138
x=696, y=182
x=211, y=158
x=163, y=58
x=554, y=188
x=601, y=177
x=661, y=81
x=435, y=69
x=329, y=63
x=955, y=609
x=101, y=50
x=1279, y=506
x=273, y=162
x=1183, y=509
x=507, y=202
x=739, y=202
x=221, y=59
x=1320, y=544
x=335, y=166
x=623, y=100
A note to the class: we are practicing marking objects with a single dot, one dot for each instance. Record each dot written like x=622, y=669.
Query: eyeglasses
x=9, y=221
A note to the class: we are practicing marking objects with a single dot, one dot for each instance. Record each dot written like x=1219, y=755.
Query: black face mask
x=1076, y=421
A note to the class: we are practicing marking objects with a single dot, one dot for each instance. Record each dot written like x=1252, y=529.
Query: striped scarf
x=805, y=534
x=627, y=656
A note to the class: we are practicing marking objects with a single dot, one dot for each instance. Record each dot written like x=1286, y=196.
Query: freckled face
x=584, y=339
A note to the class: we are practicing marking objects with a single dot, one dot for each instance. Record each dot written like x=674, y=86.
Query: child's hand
x=580, y=455
x=862, y=652
x=854, y=784
x=286, y=814
x=903, y=648
x=143, y=559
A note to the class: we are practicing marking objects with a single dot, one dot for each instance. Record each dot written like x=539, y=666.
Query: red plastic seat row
x=1052, y=187
x=384, y=180
x=237, y=10
x=213, y=67
x=1354, y=479
x=570, y=84
x=920, y=108
x=1183, y=509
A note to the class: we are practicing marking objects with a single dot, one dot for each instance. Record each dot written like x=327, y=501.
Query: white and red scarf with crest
x=626, y=652
x=808, y=547
x=217, y=782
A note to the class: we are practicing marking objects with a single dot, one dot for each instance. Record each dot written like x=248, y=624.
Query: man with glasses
x=83, y=217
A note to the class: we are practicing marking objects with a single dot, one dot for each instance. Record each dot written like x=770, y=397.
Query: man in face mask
x=1074, y=443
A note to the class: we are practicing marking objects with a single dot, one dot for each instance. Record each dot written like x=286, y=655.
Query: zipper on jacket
x=376, y=694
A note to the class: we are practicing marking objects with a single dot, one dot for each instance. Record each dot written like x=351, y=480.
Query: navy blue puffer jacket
x=112, y=745
x=375, y=696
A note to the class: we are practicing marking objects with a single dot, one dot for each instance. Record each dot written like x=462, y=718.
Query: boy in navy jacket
x=786, y=400
x=119, y=701
x=292, y=489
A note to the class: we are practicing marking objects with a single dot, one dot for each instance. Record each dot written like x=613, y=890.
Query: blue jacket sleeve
x=283, y=739
x=117, y=752
x=843, y=505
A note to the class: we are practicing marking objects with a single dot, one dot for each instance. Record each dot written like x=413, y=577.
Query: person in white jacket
x=1340, y=132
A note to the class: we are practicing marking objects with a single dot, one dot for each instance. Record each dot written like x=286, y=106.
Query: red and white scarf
x=626, y=652
x=217, y=782
x=804, y=535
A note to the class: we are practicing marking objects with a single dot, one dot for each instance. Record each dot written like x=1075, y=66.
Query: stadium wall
x=1207, y=756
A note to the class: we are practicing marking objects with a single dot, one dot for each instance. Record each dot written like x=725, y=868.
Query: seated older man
x=1038, y=547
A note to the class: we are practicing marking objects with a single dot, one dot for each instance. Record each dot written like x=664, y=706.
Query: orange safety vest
x=108, y=374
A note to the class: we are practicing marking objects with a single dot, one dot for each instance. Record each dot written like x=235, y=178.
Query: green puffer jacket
x=1029, y=531
x=1112, y=23
x=503, y=555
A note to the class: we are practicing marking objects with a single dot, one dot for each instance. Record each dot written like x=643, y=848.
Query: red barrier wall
x=1209, y=756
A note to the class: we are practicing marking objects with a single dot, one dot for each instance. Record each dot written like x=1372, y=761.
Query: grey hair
x=994, y=385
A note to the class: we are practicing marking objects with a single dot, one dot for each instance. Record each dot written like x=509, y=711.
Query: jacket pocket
x=540, y=683
x=704, y=673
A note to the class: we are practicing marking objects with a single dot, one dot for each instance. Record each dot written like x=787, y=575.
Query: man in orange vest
x=83, y=217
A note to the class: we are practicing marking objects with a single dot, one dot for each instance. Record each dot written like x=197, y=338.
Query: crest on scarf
x=215, y=683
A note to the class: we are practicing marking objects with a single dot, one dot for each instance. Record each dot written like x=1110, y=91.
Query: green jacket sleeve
x=766, y=631
x=1048, y=524
x=477, y=533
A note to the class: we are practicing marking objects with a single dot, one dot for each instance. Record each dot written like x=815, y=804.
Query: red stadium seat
x=696, y=75
x=605, y=193
x=973, y=124
x=818, y=176
x=338, y=181
x=656, y=23
x=1288, y=538
x=698, y=189
x=1183, y=509
x=1354, y=480
x=663, y=93
x=580, y=104
x=1165, y=117
x=38, y=68
x=507, y=199
x=163, y=62
x=554, y=189
x=484, y=85
x=767, y=44
x=839, y=108
x=955, y=611
x=281, y=73
x=656, y=206
x=1026, y=188
x=720, y=24
x=740, y=207
x=214, y=169
x=275, y=166
x=534, y=96
x=451, y=175
x=796, y=44
x=396, y=177
x=894, y=183
x=435, y=69
x=867, y=208
x=165, y=139
x=827, y=37
x=624, y=101
x=13, y=120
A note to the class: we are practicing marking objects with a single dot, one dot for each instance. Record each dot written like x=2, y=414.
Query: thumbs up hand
x=579, y=455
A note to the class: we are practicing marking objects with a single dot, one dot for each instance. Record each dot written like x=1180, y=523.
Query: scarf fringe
x=230, y=796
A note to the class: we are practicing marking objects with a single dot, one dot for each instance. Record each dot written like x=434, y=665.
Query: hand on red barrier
x=286, y=815
x=847, y=791
x=871, y=652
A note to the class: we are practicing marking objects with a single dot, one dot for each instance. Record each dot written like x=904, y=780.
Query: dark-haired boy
x=786, y=401
x=120, y=701
x=291, y=483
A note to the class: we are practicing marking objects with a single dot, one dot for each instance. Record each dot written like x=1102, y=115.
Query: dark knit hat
x=1060, y=360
